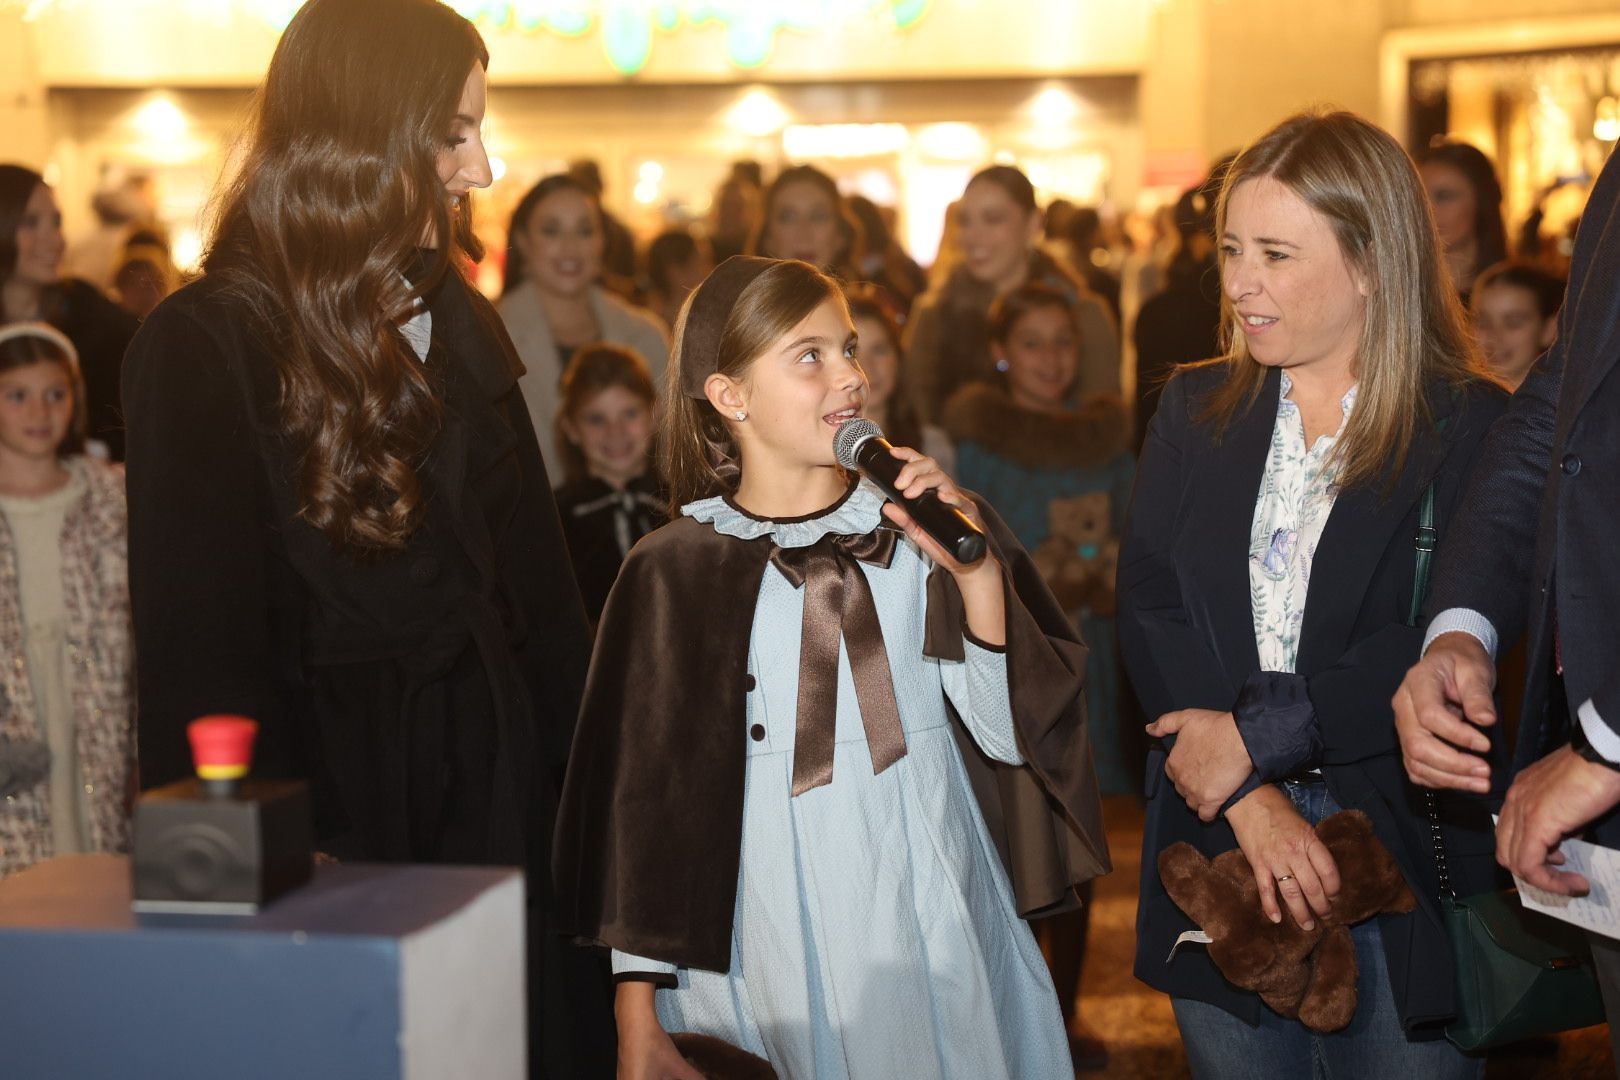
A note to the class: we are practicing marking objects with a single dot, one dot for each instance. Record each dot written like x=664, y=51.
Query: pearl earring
x=740, y=415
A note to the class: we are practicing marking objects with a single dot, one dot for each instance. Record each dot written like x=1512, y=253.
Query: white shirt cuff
x=628, y=962
x=1464, y=620
x=1599, y=734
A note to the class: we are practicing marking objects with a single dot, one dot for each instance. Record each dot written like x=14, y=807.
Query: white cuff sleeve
x=1467, y=621
x=623, y=962
x=1599, y=734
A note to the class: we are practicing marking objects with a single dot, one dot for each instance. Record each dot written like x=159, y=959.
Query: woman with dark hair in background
x=553, y=302
x=32, y=288
x=947, y=339
x=1466, y=198
x=804, y=218
x=339, y=519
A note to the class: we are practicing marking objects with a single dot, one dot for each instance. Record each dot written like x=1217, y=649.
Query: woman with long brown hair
x=1267, y=584
x=340, y=524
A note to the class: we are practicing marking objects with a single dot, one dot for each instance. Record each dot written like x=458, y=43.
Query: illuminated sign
x=629, y=27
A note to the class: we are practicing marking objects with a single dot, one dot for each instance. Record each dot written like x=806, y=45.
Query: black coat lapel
x=1357, y=535
x=1224, y=493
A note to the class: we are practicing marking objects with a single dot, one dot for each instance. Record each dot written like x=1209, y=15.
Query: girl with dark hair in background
x=947, y=339
x=1060, y=478
x=677, y=262
x=610, y=497
x=884, y=262
x=1515, y=309
x=67, y=702
x=1466, y=198
x=884, y=362
x=339, y=519
x=32, y=288
x=553, y=301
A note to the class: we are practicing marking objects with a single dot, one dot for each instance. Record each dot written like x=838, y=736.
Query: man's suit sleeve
x=1487, y=551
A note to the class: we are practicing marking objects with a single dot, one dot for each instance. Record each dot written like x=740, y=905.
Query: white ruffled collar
x=856, y=514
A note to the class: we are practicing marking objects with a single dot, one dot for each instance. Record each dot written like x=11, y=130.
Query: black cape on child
x=649, y=833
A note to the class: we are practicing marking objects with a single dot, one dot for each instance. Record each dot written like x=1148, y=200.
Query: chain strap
x=1427, y=537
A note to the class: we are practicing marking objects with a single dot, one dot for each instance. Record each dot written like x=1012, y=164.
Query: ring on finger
x=1285, y=877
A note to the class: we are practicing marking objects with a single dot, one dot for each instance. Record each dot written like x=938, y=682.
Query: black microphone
x=859, y=444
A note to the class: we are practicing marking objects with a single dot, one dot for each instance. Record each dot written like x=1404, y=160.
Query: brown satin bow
x=838, y=603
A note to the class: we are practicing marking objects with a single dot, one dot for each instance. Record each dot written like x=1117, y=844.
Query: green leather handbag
x=1520, y=974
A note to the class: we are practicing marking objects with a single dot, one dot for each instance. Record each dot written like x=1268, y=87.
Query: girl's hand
x=645, y=1049
x=1208, y=762
x=1286, y=855
x=920, y=474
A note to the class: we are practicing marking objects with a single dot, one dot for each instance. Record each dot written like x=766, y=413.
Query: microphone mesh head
x=851, y=434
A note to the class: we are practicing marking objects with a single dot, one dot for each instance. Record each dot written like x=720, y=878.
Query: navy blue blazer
x=1186, y=632
x=1536, y=530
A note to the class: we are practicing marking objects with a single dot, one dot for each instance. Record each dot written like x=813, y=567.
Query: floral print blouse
x=1296, y=497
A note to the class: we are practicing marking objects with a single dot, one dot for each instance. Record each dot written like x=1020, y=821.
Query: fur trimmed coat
x=948, y=336
x=95, y=588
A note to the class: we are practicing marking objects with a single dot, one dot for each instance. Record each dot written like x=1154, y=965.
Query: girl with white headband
x=66, y=728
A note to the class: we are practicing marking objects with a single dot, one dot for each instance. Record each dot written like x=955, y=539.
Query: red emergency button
x=222, y=746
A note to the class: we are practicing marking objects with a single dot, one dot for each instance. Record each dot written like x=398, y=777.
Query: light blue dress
x=875, y=934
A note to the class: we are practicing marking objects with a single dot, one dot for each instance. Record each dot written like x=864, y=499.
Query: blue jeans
x=1373, y=1046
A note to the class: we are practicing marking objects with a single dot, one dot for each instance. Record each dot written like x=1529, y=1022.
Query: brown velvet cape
x=649, y=834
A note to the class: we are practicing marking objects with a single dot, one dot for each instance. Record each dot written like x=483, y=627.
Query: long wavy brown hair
x=336, y=189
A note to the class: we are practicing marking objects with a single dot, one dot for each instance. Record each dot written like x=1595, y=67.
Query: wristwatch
x=1582, y=746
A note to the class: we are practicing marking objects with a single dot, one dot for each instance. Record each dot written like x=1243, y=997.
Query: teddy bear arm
x=1330, y=996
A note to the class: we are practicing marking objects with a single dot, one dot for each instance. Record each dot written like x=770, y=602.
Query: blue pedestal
x=370, y=971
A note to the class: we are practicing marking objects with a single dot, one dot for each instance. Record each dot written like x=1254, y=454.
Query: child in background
x=610, y=497
x=1061, y=477
x=1515, y=309
x=66, y=738
x=882, y=358
x=771, y=811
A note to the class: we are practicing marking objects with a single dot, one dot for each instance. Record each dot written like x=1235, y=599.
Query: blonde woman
x=1266, y=578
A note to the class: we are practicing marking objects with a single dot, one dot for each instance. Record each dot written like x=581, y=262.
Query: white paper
x=1597, y=910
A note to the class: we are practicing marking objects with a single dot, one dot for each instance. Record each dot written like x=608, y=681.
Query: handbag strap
x=1428, y=536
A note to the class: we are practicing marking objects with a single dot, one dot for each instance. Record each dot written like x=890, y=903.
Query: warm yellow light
x=1054, y=106
x=160, y=119
x=1606, y=124
x=801, y=141
x=651, y=172
x=951, y=142
x=757, y=113
x=497, y=168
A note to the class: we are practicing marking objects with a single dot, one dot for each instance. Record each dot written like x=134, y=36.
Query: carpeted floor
x=1140, y=1031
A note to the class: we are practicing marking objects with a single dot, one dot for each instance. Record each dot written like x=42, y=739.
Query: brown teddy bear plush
x=717, y=1059
x=1078, y=558
x=1308, y=974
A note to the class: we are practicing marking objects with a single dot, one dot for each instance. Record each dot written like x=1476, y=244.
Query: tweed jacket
x=95, y=586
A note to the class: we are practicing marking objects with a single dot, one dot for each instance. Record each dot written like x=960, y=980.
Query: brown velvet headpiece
x=706, y=318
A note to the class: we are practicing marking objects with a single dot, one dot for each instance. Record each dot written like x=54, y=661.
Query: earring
x=740, y=415
x=1002, y=366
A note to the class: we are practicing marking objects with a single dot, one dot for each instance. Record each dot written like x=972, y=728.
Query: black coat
x=1180, y=325
x=100, y=331
x=1186, y=631
x=1534, y=534
x=601, y=524
x=429, y=696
